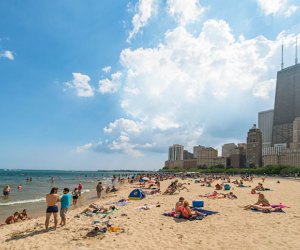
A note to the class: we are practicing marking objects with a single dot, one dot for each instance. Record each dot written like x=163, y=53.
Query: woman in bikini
x=187, y=213
x=261, y=202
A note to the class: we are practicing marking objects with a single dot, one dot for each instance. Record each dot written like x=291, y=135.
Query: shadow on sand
x=24, y=235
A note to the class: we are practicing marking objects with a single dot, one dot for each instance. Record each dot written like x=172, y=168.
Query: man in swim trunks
x=52, y=208
x=65, y=204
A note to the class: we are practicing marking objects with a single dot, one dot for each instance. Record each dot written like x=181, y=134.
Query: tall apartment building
x=254, y=147
x=196, y=150
x=238, y=157
x=265, y=124
x=226, y=148
x=206, y=157
x=287, y=104
x=187, y=155
x=176, y=152
x=296, y=134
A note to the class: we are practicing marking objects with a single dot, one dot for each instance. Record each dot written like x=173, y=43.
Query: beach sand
x=231, y=228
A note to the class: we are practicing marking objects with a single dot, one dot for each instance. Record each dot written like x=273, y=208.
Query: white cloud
x=145, y=9
x=125, y=125
x=7, y=54
x=84, y=148
x=277, y=7
x=81, y=85
x=186, y=11
x=106, y=69
x=110, y=86
x=190, y=88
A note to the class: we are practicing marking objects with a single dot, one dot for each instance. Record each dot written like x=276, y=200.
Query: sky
x=111, y=84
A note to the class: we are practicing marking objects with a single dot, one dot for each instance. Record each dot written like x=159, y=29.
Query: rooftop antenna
x=282, y=55
x=296, y=58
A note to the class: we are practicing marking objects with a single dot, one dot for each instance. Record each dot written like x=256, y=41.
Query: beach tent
x=227, y=187
x=137, y=194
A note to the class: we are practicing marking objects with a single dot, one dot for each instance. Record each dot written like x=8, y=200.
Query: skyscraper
x=287, y=104
x=254, y=147
x=265, y=124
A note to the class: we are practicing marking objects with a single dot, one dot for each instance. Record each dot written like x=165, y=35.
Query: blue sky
x=110, y=84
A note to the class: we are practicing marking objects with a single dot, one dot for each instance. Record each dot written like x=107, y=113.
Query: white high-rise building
x=176, y=153
x=265, y=124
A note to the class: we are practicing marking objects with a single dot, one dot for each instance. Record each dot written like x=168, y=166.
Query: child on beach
x=65, y=204
x=178, y=207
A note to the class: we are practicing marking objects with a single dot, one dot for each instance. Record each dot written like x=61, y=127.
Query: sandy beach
x=231, y=228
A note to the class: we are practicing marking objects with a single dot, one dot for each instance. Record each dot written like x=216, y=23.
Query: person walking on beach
x=52, y=198
x=99, y=189
x=65, y=204
x=6, y=191
x=75, y=196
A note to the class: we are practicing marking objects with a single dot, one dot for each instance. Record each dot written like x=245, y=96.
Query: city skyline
x=111, y=84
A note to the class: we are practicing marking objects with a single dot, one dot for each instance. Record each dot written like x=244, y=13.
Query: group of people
x=52, y=199
x=17, y=216
x=183, y=209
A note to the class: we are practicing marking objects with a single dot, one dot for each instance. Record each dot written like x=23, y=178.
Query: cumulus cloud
x=110, y=85
x=106, y=69
x=7, y=54
x=81, y=85
x=186, y=11
x=277, y=7
x=145, y=9
x=84, y=148
x=190, y=88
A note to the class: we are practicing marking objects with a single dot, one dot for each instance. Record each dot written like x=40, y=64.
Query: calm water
x=32, y=196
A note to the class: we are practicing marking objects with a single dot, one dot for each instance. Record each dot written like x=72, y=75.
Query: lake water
x=32, y=195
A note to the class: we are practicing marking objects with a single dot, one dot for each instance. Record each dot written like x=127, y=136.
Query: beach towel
x=104, y=215
x=279, y=205
x=256, y=210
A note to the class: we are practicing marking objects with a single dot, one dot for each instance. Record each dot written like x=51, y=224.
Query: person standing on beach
x=80, y=188
x=52, y=208
x=75, y=196
x=6, y=191
x=99, y=189
x=65, y=204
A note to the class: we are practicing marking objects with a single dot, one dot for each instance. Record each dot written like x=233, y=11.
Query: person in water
x=6, y=191
x=52, y=199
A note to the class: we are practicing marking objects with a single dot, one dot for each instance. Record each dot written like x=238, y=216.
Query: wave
x=21, y=202
x=85, y=191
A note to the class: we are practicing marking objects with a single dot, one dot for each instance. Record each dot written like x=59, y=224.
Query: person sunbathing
x=13, y=218
x=231, y=195
x=218, y=187
x=253, y=191
x=211, y=195
x=24, y=215
x=235, y=182
x=261, y=202
x=178, y=206
x=259, y=187
x=187, y=213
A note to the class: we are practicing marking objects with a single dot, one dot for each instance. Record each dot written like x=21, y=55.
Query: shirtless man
x=52, y=208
